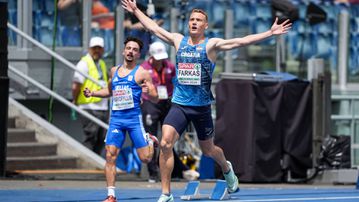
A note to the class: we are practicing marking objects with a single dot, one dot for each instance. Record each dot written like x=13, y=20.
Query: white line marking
x=301, y=199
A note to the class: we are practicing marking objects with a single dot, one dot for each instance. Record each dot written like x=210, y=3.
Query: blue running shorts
x=118, y=127
x=179, y=116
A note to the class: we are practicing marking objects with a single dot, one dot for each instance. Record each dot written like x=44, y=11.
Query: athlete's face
x=197, y=23
x=132, y=51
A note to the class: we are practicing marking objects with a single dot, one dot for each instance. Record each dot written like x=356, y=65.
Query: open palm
x=129, y=5
x=283, y=28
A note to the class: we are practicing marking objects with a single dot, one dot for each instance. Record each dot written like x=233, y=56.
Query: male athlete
x=126, y=85
x=192, y=97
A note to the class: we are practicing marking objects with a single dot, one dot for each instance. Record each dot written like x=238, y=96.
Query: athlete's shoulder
x=113, y=70
x=141, y=71
x=214, y=40
x=178, y=36
x=212, y=43
x=177, y=39
x=141, y=74
x=141, y=68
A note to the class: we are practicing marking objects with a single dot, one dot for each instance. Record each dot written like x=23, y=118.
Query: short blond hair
x=197, y=10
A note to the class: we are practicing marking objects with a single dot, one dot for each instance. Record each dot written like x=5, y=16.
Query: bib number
x=122, y=98
x=189, y=74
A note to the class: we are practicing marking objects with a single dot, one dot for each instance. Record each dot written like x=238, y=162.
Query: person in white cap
x=95, y=67
x=162, y=72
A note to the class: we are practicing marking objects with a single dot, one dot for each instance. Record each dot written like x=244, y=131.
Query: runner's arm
x=151, y=25
x=104, y=92
x=229, y=44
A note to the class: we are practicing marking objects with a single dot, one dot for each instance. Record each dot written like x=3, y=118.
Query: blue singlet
x=193, y=75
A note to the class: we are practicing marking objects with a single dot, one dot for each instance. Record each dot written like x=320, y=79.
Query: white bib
x=189, y=74
x=122, y=98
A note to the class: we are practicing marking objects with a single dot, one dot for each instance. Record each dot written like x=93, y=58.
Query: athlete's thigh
x=202, y=122
x=115, y=135
x=176, y=118
x=164, y=109
x=137, y=133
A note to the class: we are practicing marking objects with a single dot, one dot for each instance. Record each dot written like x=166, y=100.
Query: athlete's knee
x=166, y=146
x=145, y=158
x=111, y=156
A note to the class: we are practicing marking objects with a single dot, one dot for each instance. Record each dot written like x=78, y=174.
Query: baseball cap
x=96, y=41
x=158, y=50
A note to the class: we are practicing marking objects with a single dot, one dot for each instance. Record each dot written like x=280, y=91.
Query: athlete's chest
x=123, y=72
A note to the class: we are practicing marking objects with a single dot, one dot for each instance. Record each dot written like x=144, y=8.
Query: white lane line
x=300, y=199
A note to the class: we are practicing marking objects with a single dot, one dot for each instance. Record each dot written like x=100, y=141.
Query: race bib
x=162, y=92
x=189, y=73
x=122, y=98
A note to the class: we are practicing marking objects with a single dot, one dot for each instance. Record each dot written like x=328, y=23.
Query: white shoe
x=231, y=179
x=152, y=180
x=165, y=198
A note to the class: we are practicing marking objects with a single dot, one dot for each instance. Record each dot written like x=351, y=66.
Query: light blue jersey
x=125, y=111
x=193, y=75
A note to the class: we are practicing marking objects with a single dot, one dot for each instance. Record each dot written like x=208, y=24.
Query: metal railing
x=58, y=97
x=52, y=53
x=45, y=89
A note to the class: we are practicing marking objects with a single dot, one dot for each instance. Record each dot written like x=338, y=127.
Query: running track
x=147, y=195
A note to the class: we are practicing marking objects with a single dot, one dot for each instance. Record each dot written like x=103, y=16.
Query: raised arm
x=63, y=4
x=151, y=25
x=228, y=44
x=129, y=25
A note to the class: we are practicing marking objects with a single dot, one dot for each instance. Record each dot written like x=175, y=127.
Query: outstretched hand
x=129, y=5
x=283, y=28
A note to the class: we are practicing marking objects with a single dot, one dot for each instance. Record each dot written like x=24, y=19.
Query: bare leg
x=146, y=153
x=169, y=137
x=215, y=152
x=110, y=167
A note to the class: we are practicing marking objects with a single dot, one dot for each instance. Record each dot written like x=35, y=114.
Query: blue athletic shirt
x=193, y=75
x=126, y=95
